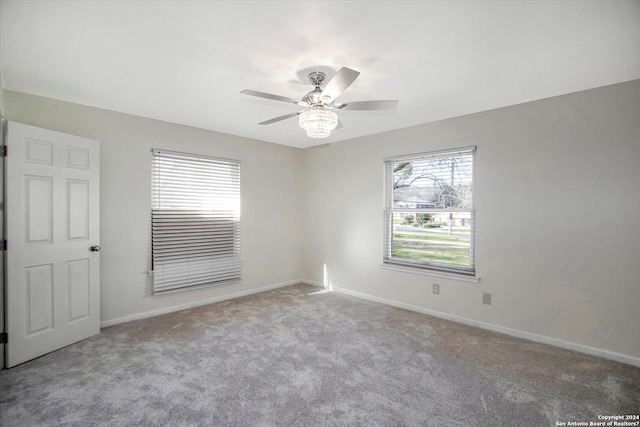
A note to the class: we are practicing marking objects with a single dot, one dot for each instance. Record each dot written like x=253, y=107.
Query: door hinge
x=3, y=245
x=4, y=338
x=3, y=151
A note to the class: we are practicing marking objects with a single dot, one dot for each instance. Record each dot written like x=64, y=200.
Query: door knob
x=95, y=248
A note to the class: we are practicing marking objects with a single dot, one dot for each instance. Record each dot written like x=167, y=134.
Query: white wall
x=271, y=196
x=557, y=204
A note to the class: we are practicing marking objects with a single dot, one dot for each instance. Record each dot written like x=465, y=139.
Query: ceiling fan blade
x=340, y=82
x=280, y=118
x=368, y=105
x=269, y=96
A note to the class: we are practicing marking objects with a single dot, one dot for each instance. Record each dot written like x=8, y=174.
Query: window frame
x=420, y=266
x=195, y=221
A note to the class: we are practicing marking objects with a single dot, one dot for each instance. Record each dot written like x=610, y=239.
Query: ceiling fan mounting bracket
x=317, y=78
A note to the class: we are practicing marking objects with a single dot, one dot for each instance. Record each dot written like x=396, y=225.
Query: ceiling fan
x=318, y=120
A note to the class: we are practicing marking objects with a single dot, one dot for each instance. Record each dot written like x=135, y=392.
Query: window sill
x=424, y=272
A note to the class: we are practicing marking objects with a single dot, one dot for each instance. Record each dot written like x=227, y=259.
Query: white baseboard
x=617, y=357
x=193, y=304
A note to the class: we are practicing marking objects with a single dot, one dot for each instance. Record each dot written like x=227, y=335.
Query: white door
x=52, y=221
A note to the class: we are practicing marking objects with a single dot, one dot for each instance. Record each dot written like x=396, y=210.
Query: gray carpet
x=296, y=357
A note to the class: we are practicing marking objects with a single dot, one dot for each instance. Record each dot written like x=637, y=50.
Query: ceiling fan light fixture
x=318, y=122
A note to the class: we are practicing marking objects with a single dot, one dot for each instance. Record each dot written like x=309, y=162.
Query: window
x=195, y=221
x=429, y=216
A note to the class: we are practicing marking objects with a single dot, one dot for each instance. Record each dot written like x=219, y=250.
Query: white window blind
x=195, y=221
x=429, y=211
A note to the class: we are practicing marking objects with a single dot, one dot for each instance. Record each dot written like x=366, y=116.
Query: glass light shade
x=318, y=122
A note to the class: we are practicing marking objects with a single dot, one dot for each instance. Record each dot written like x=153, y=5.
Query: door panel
x=78, y=208
x=38, y=205
x=78, y=277
x=39, y=298
x=52, y=220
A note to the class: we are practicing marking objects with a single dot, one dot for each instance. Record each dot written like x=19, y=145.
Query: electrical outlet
x=486, y=298
x=436, y=288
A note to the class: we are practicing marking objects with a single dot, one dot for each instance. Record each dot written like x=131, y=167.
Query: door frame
x=3, y=327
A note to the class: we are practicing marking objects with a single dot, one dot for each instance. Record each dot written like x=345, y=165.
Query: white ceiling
x=187, y=61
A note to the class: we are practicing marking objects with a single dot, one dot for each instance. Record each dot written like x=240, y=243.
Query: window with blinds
x=429, y=212
x=195, y=221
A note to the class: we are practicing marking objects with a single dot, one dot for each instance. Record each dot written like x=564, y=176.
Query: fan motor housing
x=314, y=98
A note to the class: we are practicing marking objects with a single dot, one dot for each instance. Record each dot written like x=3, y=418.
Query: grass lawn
x=435, y=247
